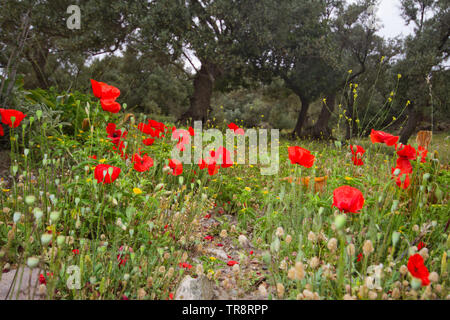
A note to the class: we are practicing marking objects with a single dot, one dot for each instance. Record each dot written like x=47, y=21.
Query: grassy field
x=256, y=237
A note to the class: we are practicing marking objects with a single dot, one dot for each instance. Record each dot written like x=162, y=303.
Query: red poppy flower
x=207, y=216
x=148, y=142
x=422, y=153
x=211, y=164
x=176, y=166
x=219, y=245
x=191, y=131
x=202, y=164
x=213, y=168
x=8, y=115
x=147, y=129
x=121, y=257
x=185, y=265
x=121, y=147
x=407, y=152
x=417, y=269
x=115, y=135
x=157, y=125
x=357, y=152
x=93, y=157
x=301, y=156
x=383, y=137
x=222, y=157
x=2, y=133
x=42, y=279
x=359, y=257
x=143, y=163
x=232, y=263
x=348, y=199
x=405, y=167
x=104, y=91
x=402, y=176
x=421, y=245
x=110, y=105
x=97, y=88
x=183, y=137
x=154, y=128
x=251, y=252
x=102, y=173
x=76, y=251
x=236, y=129
x=171, y=296
x=209, y=238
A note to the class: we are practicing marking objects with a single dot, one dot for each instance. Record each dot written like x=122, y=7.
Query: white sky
x=391, y=22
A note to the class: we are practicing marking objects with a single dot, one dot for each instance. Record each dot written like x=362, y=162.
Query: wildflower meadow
x=111, y=190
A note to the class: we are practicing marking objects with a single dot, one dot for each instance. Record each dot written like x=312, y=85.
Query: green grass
x=163, y=225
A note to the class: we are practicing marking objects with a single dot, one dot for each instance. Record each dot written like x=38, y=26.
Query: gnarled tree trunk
x=301, y=116
x=200, y=101
x=321, y=130
x=38, y=56
x=413, y=119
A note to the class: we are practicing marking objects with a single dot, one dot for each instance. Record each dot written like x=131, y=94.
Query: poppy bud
x=46, y=238
x=32, y=262
x=54, y=216
x=29, y=200
x=395, y=237
x=60, y=240
x=38, y=213
x=412, y=250
x=267, y=258
x=416, y=283
x=85, y=124
x=288, y=239
x=279, y=232
x=444, y=264
x=275, y=246
x=351, y=249
x=16, y=217
x=339, y=221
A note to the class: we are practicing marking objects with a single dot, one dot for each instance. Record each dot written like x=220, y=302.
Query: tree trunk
x=11, y=67
x=38, y=58
x=411, y=125
x=200, y=101
x=321, y=130
x=301, y=117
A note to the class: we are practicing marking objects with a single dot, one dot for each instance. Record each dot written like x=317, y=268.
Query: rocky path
x=245, y=280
